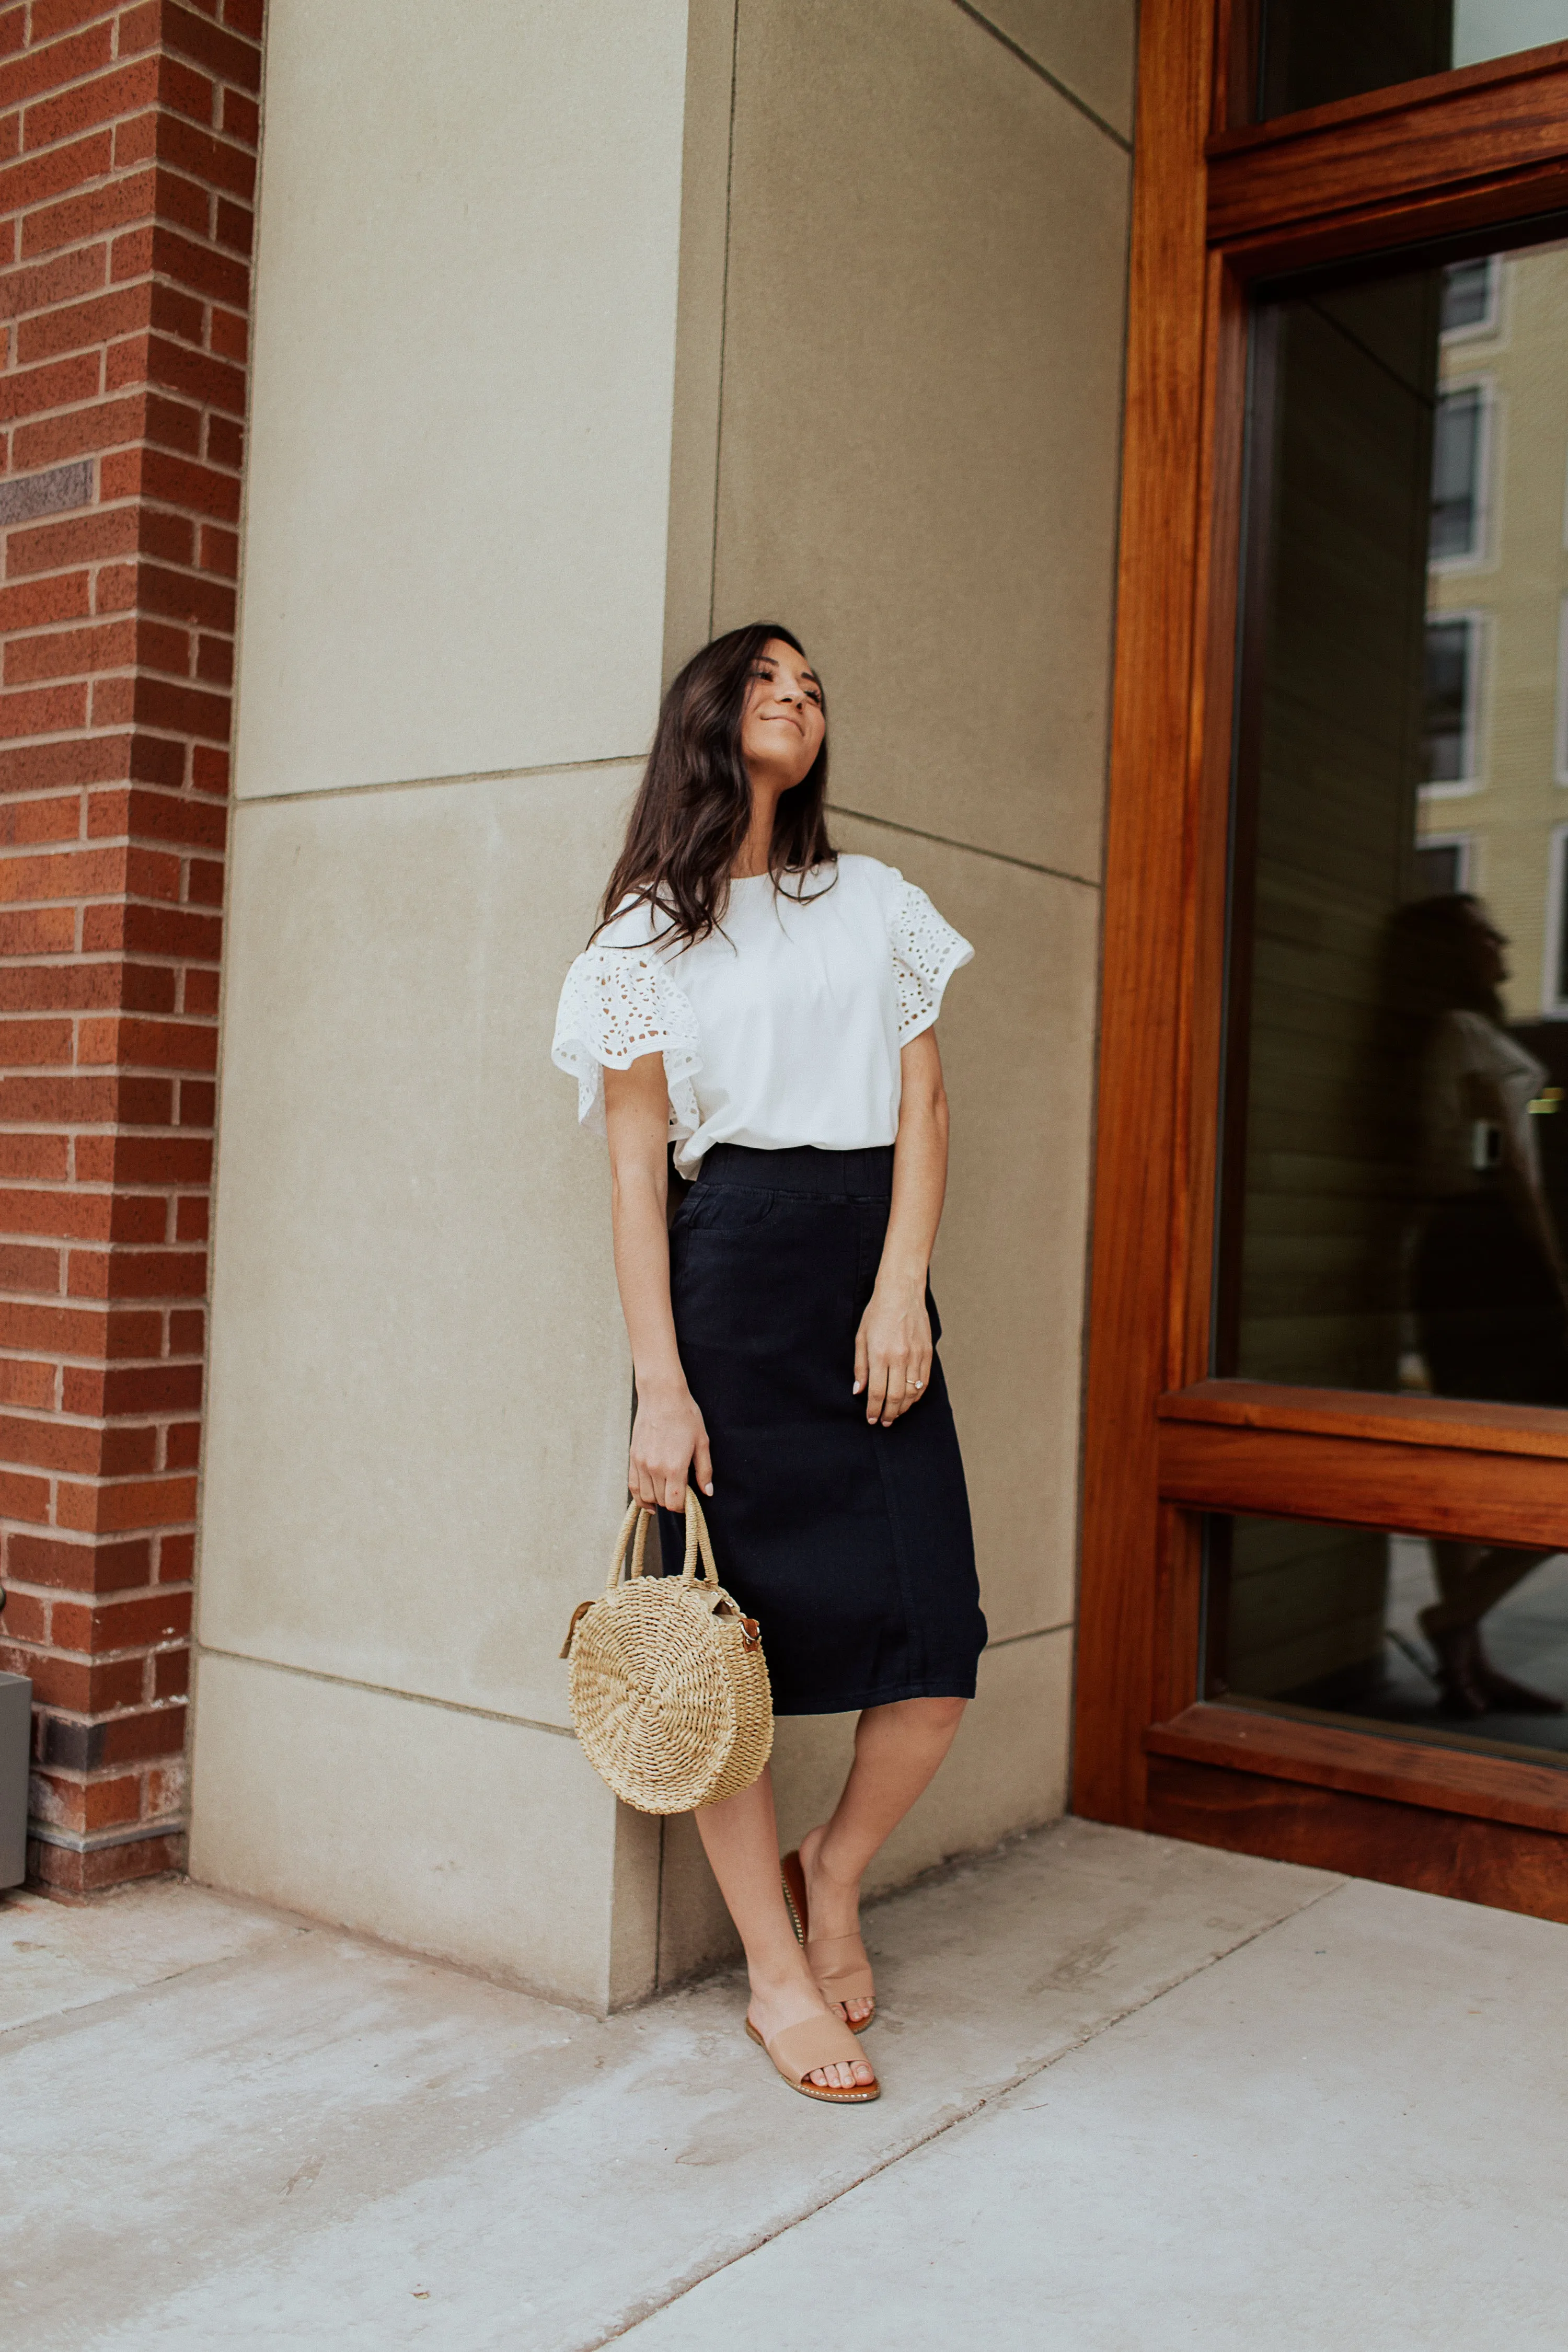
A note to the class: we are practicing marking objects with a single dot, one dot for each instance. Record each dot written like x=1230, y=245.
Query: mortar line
x=940, y=2131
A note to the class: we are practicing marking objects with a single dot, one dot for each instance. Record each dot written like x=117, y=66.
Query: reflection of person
x=1487, y=1277
x=770, y=1005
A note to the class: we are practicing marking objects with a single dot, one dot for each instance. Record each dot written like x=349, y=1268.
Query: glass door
x=1312, y=52
x=1396, y=1167
x=1324, y=1598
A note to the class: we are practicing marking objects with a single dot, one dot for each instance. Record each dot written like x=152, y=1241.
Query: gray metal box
x=16, y=1724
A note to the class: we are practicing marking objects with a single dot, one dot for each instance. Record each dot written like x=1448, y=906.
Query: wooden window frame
x=1217, y=209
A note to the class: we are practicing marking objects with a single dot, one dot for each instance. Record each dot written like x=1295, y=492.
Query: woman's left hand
x=893, y=1350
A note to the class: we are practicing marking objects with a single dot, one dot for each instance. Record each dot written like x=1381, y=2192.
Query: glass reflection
x=1394, y=1160
x=1390, y=1629
x=1313, y=52
x=1394, y=1187
x=1486, y=1271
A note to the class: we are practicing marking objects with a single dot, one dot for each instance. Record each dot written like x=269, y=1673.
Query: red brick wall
x=128, y=139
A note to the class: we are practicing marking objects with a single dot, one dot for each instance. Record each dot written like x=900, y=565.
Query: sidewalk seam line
x=53, y=2022
x=938, y=2131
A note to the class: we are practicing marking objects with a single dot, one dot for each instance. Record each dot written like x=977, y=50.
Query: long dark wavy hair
x=1430, y=952
x=694, y=809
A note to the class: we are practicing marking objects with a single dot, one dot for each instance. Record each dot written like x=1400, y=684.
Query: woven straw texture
x=669, y=1688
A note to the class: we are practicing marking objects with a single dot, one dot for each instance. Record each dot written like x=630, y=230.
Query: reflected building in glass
x=1494, y=804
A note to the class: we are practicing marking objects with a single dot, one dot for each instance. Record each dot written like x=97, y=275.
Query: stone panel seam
x=645, y=2310
x=1035, y=1633
x=423, y=783
x=724, y=323
x=972, y=848
x=1062, y=89
x=386, y=1690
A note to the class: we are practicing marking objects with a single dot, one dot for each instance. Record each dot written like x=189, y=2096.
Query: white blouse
x=783, y=1027
x=1467, y=1048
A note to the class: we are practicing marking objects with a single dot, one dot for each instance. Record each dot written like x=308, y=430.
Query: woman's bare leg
x=1472, y=1578
x=740, y=1839
x=897, y=1751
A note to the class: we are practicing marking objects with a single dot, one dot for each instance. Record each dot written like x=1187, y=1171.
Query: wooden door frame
x=1216, y=208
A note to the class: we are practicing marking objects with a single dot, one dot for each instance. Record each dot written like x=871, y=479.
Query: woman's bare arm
x=1520, y=1183
x=1534, y=1214
x=668, y=1435
x=893, y=1345
x=1531, y=1207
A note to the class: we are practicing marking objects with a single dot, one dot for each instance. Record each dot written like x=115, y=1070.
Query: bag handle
x=698, y=1540
x=640, y=1519
x=698, y=1546
x=697, y=1543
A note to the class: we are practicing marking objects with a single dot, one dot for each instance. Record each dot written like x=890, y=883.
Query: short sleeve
x=616, y=1004
x=927, y=952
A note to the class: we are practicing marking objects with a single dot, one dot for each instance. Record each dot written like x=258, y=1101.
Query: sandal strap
x=842, y=1963
x=800, y=2049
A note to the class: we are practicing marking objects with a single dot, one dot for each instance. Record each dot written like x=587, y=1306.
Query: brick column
x=128, y=139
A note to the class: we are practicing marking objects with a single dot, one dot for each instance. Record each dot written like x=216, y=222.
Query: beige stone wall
x=915, y=463
x=881, y=402
x=453, y=616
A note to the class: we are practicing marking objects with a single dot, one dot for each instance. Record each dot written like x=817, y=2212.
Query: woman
x=769, y=1006
x=1487, y=1283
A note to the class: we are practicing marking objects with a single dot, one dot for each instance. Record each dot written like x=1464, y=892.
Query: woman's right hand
x=669, y=1438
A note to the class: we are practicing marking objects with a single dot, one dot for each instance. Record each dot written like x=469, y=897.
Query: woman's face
x=1488, y=950
x=783, y=724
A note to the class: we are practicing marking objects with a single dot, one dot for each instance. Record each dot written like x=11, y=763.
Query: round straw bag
x=669, y=1688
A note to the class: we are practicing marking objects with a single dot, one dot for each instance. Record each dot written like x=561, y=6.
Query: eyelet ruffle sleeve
x=616, y=1004
x=927, y=952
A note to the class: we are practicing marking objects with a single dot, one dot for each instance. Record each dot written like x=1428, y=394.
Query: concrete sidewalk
x=1138, y=2095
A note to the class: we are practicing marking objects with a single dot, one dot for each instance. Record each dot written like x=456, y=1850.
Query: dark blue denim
x=850, y=1544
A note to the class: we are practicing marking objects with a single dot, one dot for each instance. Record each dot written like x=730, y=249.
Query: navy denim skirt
x=850, y=1544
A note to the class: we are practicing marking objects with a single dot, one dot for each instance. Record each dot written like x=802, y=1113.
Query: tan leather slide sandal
x=839, y=1963
x=800, y=2049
